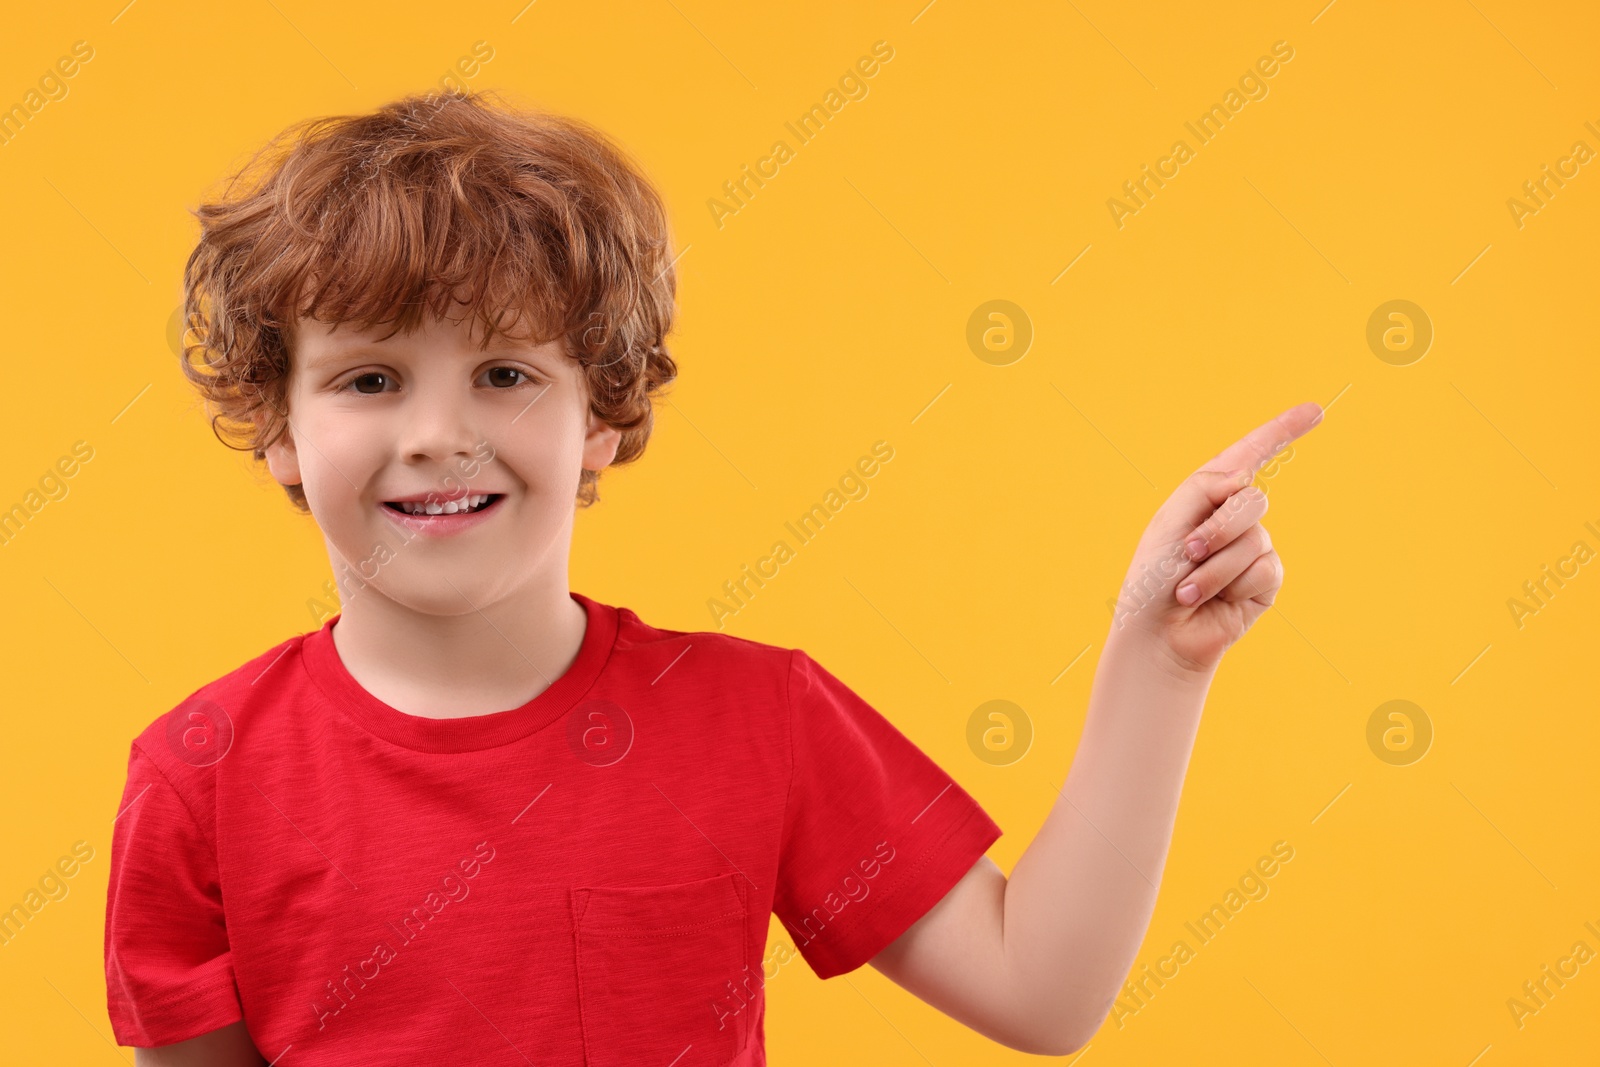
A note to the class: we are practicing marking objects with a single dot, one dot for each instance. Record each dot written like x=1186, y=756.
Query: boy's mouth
x=474, y=502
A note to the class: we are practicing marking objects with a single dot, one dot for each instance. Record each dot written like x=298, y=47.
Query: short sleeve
x=875, y=833
x=169, y=971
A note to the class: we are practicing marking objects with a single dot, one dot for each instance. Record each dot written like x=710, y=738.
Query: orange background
x=831, y=311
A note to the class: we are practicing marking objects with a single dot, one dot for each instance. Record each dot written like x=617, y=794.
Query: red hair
x=433, y=200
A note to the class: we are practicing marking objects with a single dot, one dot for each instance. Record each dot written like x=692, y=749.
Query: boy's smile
x=436, y=514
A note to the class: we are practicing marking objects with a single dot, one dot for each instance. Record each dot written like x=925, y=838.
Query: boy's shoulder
x=710, y=649
x=193, y=735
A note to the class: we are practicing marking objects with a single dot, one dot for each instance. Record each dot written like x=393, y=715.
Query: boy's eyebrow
x=517, y=344
x=339, y=350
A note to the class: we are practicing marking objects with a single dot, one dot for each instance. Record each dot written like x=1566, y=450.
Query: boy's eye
x=367, y=377
x=503, y=382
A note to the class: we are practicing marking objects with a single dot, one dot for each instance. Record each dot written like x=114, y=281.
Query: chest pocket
x=662, y=973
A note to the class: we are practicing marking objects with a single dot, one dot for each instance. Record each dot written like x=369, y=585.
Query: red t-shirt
x=585, y=879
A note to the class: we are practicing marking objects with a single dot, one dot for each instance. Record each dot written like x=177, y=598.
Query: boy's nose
x=437, y=428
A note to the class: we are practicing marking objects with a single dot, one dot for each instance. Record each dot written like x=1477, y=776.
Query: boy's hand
x=1205, y=568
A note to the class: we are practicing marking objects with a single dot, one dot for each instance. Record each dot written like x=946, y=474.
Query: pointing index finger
x=1262, y=443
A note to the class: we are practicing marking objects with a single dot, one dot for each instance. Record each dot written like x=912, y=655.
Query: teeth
x=471, y=502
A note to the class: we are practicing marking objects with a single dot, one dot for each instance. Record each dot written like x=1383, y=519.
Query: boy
x=479, y=817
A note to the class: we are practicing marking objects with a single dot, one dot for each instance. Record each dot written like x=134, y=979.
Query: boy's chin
x=438, y=599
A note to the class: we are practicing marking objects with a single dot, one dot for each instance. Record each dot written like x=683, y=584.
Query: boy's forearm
x=1079, y=899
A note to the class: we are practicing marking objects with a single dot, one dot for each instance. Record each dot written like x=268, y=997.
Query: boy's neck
x=450, y=666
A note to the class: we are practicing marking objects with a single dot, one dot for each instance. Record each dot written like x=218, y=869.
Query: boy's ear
x=282, y=459
x=600, y=443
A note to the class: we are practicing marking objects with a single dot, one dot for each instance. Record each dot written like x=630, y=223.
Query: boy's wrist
x=1145, y=651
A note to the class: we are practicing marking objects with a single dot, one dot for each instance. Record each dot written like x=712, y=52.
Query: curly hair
x=378, y=218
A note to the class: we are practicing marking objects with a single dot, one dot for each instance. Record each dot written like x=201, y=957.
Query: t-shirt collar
x=472, y=732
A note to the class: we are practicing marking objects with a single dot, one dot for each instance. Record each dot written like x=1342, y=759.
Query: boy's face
x=428, y=416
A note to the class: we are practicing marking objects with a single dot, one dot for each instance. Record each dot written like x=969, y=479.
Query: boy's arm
x=229, y=1046
x=1035, y=962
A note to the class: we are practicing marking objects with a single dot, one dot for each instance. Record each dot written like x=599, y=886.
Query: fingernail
x=1188, y=594
x=1197, y=549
